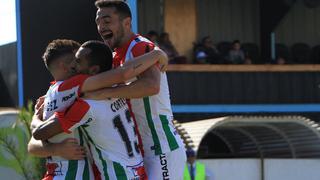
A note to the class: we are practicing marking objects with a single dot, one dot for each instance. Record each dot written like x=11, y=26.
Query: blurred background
x=244, y=75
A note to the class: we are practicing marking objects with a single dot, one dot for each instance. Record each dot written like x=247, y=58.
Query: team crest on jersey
x=53, y=169
x=139, y=173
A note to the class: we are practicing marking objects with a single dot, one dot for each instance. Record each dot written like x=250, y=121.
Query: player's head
x=59, y=58
x=113, y=21
x=93, y=57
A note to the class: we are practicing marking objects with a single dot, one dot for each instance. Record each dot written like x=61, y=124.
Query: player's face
x=81, y=61
x=69, y=64
x=110, y=26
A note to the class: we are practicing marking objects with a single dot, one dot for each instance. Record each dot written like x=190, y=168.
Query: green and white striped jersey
x=110, y=131
x=59, y=96
x=153, y=114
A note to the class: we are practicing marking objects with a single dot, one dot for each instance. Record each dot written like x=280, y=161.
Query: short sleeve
x=75, y=116
x=75, y=81
x=142, y=48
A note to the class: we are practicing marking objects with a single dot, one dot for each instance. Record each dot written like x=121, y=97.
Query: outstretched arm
x=128, y=71
x=148, y=84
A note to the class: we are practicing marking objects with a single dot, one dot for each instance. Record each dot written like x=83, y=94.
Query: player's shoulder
x=53, y=87
x=72, y=82
x=97, y=103
x=142, y=46
x=99, y=107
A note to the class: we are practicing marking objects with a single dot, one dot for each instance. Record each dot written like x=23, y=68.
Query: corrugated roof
x=256, y=136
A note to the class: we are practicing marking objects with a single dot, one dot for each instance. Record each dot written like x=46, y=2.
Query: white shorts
x=166, y=166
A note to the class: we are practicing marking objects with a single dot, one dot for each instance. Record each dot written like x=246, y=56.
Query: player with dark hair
x=164, y=153
x=61, y=61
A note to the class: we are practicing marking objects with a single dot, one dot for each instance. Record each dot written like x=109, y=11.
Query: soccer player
x=60, y=61
x=108, y=127
x=164, y=153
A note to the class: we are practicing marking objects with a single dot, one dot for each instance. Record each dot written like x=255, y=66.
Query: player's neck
x=127, y=37
x=60, y=77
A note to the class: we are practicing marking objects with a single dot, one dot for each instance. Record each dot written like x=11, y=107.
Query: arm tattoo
x=137, y=66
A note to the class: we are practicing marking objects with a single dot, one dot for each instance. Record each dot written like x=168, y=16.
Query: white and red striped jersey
x=153, y=114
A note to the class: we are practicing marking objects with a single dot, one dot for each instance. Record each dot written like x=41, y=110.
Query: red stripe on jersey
x=136, y=128
x=72, y=115
x=96, y=172
x=73, y=82
x=140, y=48
x=121, y=52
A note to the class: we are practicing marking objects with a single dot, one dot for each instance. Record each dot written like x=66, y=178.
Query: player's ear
x=127, y=22
x=62, y=65
x=94, y=70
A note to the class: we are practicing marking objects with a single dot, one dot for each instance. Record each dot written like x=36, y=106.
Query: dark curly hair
x=58, y=48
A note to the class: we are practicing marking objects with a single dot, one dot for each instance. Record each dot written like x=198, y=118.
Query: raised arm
x=128, y=71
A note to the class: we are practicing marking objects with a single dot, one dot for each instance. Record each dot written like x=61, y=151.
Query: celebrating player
x=164, y=153
x=105, y=124
x=60, y=61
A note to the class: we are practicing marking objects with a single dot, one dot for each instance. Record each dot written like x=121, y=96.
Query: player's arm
x=128, y=71
x=148, y=84
x=66, y=121
x=37, y=124
x=68, y=149
x=37, y=116
x=47, y=129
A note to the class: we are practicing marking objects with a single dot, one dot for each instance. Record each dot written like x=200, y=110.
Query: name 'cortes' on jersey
x=118, y=104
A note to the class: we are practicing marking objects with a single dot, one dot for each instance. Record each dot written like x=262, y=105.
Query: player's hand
x=163, y=60
x=70, y=149
x=39, y=102
x=38, y=108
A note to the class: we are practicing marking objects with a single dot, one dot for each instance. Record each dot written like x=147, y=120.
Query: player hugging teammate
x=121, y=119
